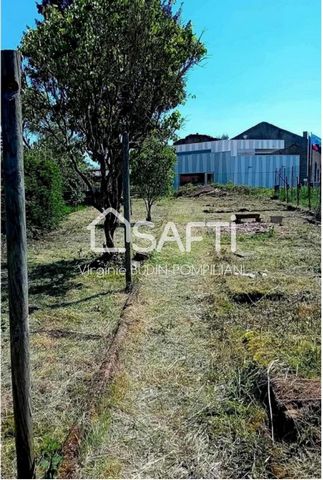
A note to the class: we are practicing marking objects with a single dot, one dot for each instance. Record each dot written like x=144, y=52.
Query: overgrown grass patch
x=72, y=316
x=185, y=402
x=271, y=316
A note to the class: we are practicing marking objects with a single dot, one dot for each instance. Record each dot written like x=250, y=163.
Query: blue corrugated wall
x=249, y=170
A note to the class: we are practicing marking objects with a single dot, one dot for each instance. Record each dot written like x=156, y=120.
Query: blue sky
x=263, y=62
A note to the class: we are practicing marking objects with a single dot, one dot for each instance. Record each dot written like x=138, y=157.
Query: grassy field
x=184, y=402
x=72, y=317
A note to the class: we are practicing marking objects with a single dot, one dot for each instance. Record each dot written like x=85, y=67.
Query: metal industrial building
x=246, y=159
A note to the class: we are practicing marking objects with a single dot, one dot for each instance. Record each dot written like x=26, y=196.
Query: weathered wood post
x=17, y=258
x=275, y=185
x=309, y=171
x=298, y=188
x=126, y=203
x=287, y=189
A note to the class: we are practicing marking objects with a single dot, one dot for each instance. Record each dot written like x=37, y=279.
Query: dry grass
x=72, y=317
x=152, y=428
x=184, y=403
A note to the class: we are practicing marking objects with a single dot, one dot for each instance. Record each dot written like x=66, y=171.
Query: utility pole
x=17, y=258
x=126, y=208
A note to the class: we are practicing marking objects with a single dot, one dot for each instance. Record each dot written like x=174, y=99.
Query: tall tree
x=152, y=170
x=97, y=68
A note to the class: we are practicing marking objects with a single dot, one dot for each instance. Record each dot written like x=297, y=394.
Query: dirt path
x=163, y=383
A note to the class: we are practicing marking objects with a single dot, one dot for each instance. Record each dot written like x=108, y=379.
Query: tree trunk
x=110, y=225
x=109, y=194
x=148, y=219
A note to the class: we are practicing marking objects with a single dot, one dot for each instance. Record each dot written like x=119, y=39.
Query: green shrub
x=73, y=186
x=44, y=191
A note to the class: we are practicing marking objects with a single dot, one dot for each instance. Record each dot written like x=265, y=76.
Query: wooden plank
x=17, y=258
x=243, y=216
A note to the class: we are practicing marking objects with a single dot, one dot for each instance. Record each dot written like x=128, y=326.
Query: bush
x=44, y=191
x=72, y=185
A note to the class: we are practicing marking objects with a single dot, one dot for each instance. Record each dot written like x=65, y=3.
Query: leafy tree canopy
x=152, y=170
x=98, y=68
x=61, y=4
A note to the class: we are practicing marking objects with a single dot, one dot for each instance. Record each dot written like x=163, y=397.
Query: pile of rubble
x=206, y=190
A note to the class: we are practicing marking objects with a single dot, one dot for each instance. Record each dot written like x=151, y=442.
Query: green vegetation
x=245, y=190
x=44, y=190
x=229, y=187
x=72, y=318
x=153, y=171
x=272, y=317
x=96, y=69
x=283, y=195
x=291, y=195
x=52, y=190
x=186, y=398
x=195, y=362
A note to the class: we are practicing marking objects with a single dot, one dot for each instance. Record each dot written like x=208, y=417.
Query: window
x=193, y=178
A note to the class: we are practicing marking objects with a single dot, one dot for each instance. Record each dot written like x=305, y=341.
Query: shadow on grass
x=54, y=279
x=86, y=299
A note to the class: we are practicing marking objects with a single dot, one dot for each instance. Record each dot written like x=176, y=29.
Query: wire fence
x=289, y=189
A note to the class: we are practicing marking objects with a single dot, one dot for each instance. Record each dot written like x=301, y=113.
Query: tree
x=97, y=68
x=152, y=170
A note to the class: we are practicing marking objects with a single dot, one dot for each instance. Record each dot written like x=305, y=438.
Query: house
x=262, y=156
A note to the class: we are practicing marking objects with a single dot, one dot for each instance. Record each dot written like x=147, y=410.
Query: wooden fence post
x=17, y=258
x=126, y=203
x=309, y=171
x=275, y=184
x=298, y=187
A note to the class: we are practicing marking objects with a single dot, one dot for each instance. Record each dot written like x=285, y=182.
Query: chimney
x=305, y=134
